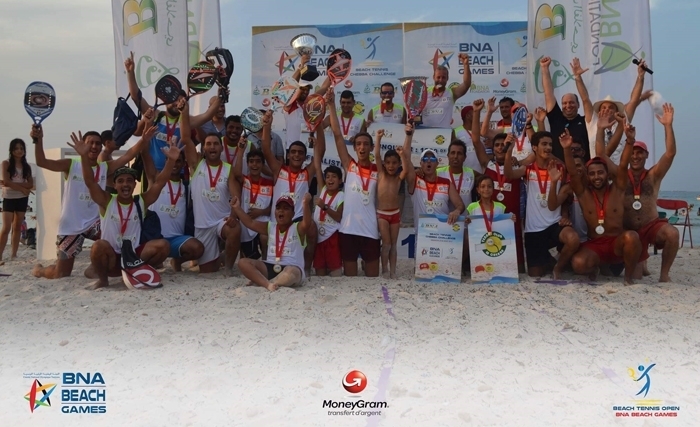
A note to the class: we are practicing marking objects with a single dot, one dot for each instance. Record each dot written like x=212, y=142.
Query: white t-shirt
x=293, y=123
x=438, y=110
x=111, y=224
x=172, y=217
x=463, y=182
x=328, y=225
x=230, y=155
x=471, y=161
x=539, y=217
x=78, y=211
x=263, y=188
x=210, y=207
x=592, y=128
x=422, y=204
x=350, y=127
x=393, y=116
x=360, y=219
x=293, y=250
x=295, y=187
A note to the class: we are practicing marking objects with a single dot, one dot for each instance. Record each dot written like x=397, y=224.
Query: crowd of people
x=218, y=193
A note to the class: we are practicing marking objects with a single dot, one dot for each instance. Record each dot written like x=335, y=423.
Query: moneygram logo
x=354, y=382
x=441, y=58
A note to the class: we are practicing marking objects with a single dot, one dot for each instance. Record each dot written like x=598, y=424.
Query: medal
x=500, y=197
x=488, y=221
x=173, y=212
x=346, y=129
x=429, y=210
x=365, y=183
x=277, y=268
x=174, y=197
x=601, y=209
x=213, y=196
x=637, y=205
x=457, y=187
x=321, y=231
x=97, y=173
x=365, y=200
x=254, y=192
x=542, y=184
x=543, y=203
x=213, y=180
x=600, y=229
x=430, y=188
x=280, y=241
x=123, y=221
x=322, y=214
x=636, y=189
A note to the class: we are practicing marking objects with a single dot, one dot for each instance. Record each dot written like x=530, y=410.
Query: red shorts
x=392, y=217
x=647, y=234
x=604, y=247
x=327, y=254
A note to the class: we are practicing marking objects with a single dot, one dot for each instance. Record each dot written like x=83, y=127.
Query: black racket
x=168, y=90
x=39, y=101
x=201, y=78
x=223, y=60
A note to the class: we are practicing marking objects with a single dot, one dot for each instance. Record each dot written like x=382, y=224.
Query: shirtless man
x=388, y=212
x=641, y=196
x=602, y=206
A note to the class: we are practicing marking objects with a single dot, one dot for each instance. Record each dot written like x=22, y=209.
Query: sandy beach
x=207, y=351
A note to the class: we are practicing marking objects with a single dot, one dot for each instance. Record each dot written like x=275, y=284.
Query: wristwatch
x=325, y=207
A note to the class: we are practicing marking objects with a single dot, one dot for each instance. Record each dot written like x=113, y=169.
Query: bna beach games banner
x=606, y=35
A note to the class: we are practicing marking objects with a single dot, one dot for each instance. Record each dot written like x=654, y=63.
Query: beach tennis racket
x=201, y=78
x=519, y=118
x=39, y=101
x=314, y=111
x=135, y=272
x=223, y=61
x=285, y=91
x=339, y=65
x=251, y=119
x=168, y=90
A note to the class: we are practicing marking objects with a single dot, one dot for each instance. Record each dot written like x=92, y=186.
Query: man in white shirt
x=441, y=100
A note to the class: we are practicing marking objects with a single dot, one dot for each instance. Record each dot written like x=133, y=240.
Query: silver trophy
x=303, y=44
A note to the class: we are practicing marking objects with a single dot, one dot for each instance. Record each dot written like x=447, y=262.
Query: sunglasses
x=576, y=149
x=387, y=93
x=429, y=159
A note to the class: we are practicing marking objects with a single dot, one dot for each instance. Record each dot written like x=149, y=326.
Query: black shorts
x=252, y=249
x=270, y=272
x=352, y=246
x=15, y=205
x=538, y=244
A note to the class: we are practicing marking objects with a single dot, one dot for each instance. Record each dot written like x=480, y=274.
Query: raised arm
x=378, y=151
x=540, y=116
x=62, y=165
x=141, y=145
x=463, y=87
x=307, y=220
x=577, y=183
x=97, y=194
x=197, y=121
x=636, y=95
x=172, y=153
x=621, y=179
x=508, y=170
x=149, y=168
x=406, y=163
x=237, y=167
x=479, y=148
x=266, y=143
x=529, y=131
x=191, y=154
x=319, y=152
x=335, y=127
x=600, y=150
x=549, y=99
x=578, y=72
x=486, y=124
x=616, y=137
x=250, y=223
x=554, y=198
x=134, y=90
x=664, y=164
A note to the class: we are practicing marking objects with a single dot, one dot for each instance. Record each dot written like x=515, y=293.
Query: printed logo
x=367, y=44
x=642, y=406
x=617, y=56
x=354, y=382
x=494, y=244
x=286, y=62
x=441, y=58
x=44, y=393
x=644, y=375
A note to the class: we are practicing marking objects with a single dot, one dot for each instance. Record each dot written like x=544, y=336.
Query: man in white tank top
x=80, y=217
x=469, y=133
x=119, y=215
x=284, y=265
x=211, y=185
x=544, y=228
x=441, y=100
x=387, y=111
x=350, y=123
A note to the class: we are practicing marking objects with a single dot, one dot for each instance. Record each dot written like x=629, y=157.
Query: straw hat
x=620, y=106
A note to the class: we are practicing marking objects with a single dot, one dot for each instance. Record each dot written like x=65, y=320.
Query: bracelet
x=528, y=126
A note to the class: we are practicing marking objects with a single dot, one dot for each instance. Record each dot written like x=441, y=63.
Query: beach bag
x=150, y=224
x=124, y=121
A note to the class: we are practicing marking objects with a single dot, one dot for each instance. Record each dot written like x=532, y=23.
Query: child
x=486, y=206
x=328, y=214
x=388, y=208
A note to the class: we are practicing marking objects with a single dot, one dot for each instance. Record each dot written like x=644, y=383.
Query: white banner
x=204, y=34
x=156, y=31
x=606, y=36
x=497, y=52
x=377, y=57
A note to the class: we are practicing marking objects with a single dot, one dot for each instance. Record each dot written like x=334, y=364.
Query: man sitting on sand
x=284, y=265
x=119, y=217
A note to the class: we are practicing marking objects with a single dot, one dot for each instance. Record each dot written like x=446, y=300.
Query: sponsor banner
x=439, y=249
x=493, y=256
x=204, y=34
x=377, y=57
x=497, y=52
x=156, y=31
x=606, y=36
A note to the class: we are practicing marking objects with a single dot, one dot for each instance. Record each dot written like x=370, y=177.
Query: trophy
x=303, y=44
x=415, y=96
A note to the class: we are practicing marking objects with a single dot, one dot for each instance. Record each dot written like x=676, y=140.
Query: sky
x=70, y=44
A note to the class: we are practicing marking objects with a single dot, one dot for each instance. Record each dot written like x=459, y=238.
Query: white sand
x=205, y=351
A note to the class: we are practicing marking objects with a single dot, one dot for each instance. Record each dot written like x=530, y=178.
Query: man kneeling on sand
x=284, y=264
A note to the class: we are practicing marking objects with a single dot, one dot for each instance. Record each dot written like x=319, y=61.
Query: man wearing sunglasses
x=387, y=111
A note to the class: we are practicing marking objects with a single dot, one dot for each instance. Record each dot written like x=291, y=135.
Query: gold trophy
x=303, y=44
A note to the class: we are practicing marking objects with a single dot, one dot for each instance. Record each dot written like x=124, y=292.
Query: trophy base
x=417, y=120
x=309, y=73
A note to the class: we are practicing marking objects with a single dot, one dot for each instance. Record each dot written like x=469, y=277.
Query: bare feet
x=228, y=271
x=98, y=284
x=3, y=263
x=664, y=278
x=556, y=272
x=392, y=276
x=645, y=270
x=175, y=264
x=594, y=275
x=385, y=275
x=36, y=271
x=90, y=272
x=638, y=272
x=271, y=286
x=250, y=283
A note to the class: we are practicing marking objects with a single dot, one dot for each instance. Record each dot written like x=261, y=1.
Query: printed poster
x=439, y=250
x=493, y=256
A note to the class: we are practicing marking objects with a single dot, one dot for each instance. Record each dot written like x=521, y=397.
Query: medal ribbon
x=124, y=222
x=430, y=188
x=292, y=180
x=279, y=245
x=322, y=215
x=598, y=207
x=438, y=92
x=365, y=184
x=254, y=192
x=636, y=188
x=520, y=144
x=487, y=221
x=170, y=130
x=173, y=200
x=230, y=158
x=97, y=173
x=542, y=184
x=500, y=177
x=459, y=188
x=346, y=129
x=215, y=179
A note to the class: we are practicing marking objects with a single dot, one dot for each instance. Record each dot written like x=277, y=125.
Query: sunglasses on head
x=429, y=159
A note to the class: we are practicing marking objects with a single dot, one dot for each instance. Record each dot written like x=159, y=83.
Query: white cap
x=426, y=151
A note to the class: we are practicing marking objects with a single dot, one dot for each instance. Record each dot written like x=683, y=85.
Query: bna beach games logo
x=39, y=395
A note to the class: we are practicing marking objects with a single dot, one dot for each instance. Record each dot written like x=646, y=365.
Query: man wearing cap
x=641, y=195
x=602, y=206
x=284, y=264
x=469, y=133
x=80, y=216
x=387, y=111
x=121, y=214
x=441, y=100
x=607, y=106
x=211, y=186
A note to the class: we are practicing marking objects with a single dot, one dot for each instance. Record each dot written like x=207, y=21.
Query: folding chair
x=673, y=205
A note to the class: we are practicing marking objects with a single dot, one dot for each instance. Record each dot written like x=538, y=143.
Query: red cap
x=285, y=199
x=640, y=144
x=597, y=160
x=466, y=110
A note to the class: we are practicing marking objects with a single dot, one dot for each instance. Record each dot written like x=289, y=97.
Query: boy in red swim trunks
x=388, y=209
x=602, y=205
